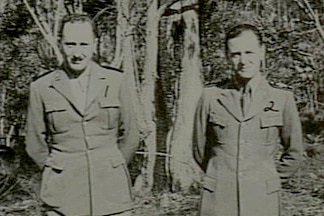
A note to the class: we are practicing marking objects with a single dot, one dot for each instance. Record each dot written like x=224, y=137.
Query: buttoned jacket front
x=238, y=153
x=83, y=153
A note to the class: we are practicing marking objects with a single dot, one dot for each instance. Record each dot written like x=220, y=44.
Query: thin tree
x=184, y=172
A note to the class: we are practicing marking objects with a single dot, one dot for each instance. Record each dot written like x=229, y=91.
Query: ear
x=227, y=55
x=262, y=60
x=262, y=51
x=229, y=59
x=95, y=44
x=59, y=44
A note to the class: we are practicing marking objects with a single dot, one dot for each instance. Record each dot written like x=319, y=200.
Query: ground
x=302, y=196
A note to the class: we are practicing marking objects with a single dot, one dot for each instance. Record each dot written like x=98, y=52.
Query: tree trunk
x=121, y=27
x=184, y=170
x=44, y=24
x=2, y=112
x=147, y=91
x=128, y=60
x=125, y=56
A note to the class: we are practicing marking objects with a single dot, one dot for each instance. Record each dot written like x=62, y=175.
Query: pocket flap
x=271, y=121
x=55, y=163
x=107, y=103
x=54, y=107
x=273, y=185
x=217, y=119
x=117, y=160
x=209, y=183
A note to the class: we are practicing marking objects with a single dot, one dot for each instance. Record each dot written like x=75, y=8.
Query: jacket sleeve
x=200, y=131
x=291, y=139
x=128, y=131
x=36, y=145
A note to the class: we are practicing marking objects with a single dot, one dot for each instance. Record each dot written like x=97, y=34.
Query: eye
x=235, y=54
x=84, y=44
x=69, y=44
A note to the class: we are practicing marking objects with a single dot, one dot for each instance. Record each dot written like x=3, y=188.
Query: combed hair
x=239, y=29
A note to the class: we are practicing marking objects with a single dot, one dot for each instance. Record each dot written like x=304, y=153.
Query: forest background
x=169, y=50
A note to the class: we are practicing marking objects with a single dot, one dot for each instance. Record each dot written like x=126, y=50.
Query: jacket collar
x=97, y=82
x=261, y=99
x=230, y=99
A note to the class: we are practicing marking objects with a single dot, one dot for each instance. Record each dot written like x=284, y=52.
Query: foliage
x=294, y=56
x=302, y=195
x=105, y=15
x=19, y=61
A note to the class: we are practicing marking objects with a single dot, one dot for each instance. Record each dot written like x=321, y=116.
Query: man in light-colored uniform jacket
x=81, y=130
x=237, y=134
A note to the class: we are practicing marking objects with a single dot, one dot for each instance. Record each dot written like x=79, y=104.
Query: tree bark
x=125, y=55
x=184, y=170
x=148, y=88
x=44, y=28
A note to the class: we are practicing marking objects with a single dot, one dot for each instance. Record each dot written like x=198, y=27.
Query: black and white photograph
x=161, y=108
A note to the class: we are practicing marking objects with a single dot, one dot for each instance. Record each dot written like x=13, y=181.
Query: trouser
x=125, y=213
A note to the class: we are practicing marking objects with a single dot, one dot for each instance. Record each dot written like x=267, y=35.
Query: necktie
x=84, y=85
x=246, y=99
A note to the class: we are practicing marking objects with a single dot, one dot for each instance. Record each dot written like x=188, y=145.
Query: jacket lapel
x=98, y=81
x=61, y=84
x=260, y=100
x=229, y=98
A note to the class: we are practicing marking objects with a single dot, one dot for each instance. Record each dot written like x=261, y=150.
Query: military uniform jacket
x=237, y=153
x=83, y=153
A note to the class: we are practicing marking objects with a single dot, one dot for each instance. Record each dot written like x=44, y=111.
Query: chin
x=78, y=68
x=246, y=75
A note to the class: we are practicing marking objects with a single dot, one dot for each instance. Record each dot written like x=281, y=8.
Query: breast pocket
x=57, y=116
x=270, y=125
x=109, y=113
x=219, y=125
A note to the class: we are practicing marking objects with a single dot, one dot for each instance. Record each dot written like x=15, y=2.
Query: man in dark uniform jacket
x=81, y=130
x=237, y=132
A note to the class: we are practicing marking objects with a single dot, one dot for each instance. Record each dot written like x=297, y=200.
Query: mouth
x=243, y=68
x=76, y=60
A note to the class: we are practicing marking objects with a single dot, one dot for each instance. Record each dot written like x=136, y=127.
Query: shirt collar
x=253, y=83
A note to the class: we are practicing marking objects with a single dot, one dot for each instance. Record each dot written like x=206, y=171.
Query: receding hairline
x=69, y=24
x=77, y=19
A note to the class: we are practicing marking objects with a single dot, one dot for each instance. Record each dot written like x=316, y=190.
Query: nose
x=76, y=50
x=76, y=54
x=243, y=59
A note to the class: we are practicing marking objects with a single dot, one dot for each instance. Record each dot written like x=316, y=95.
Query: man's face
x=78, y=45
x=245, y=54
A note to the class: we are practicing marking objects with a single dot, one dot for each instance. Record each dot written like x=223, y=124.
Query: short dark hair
x=77, y=18
x=239, y=29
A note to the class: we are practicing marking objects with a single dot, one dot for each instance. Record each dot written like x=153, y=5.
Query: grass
x=302, y=196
